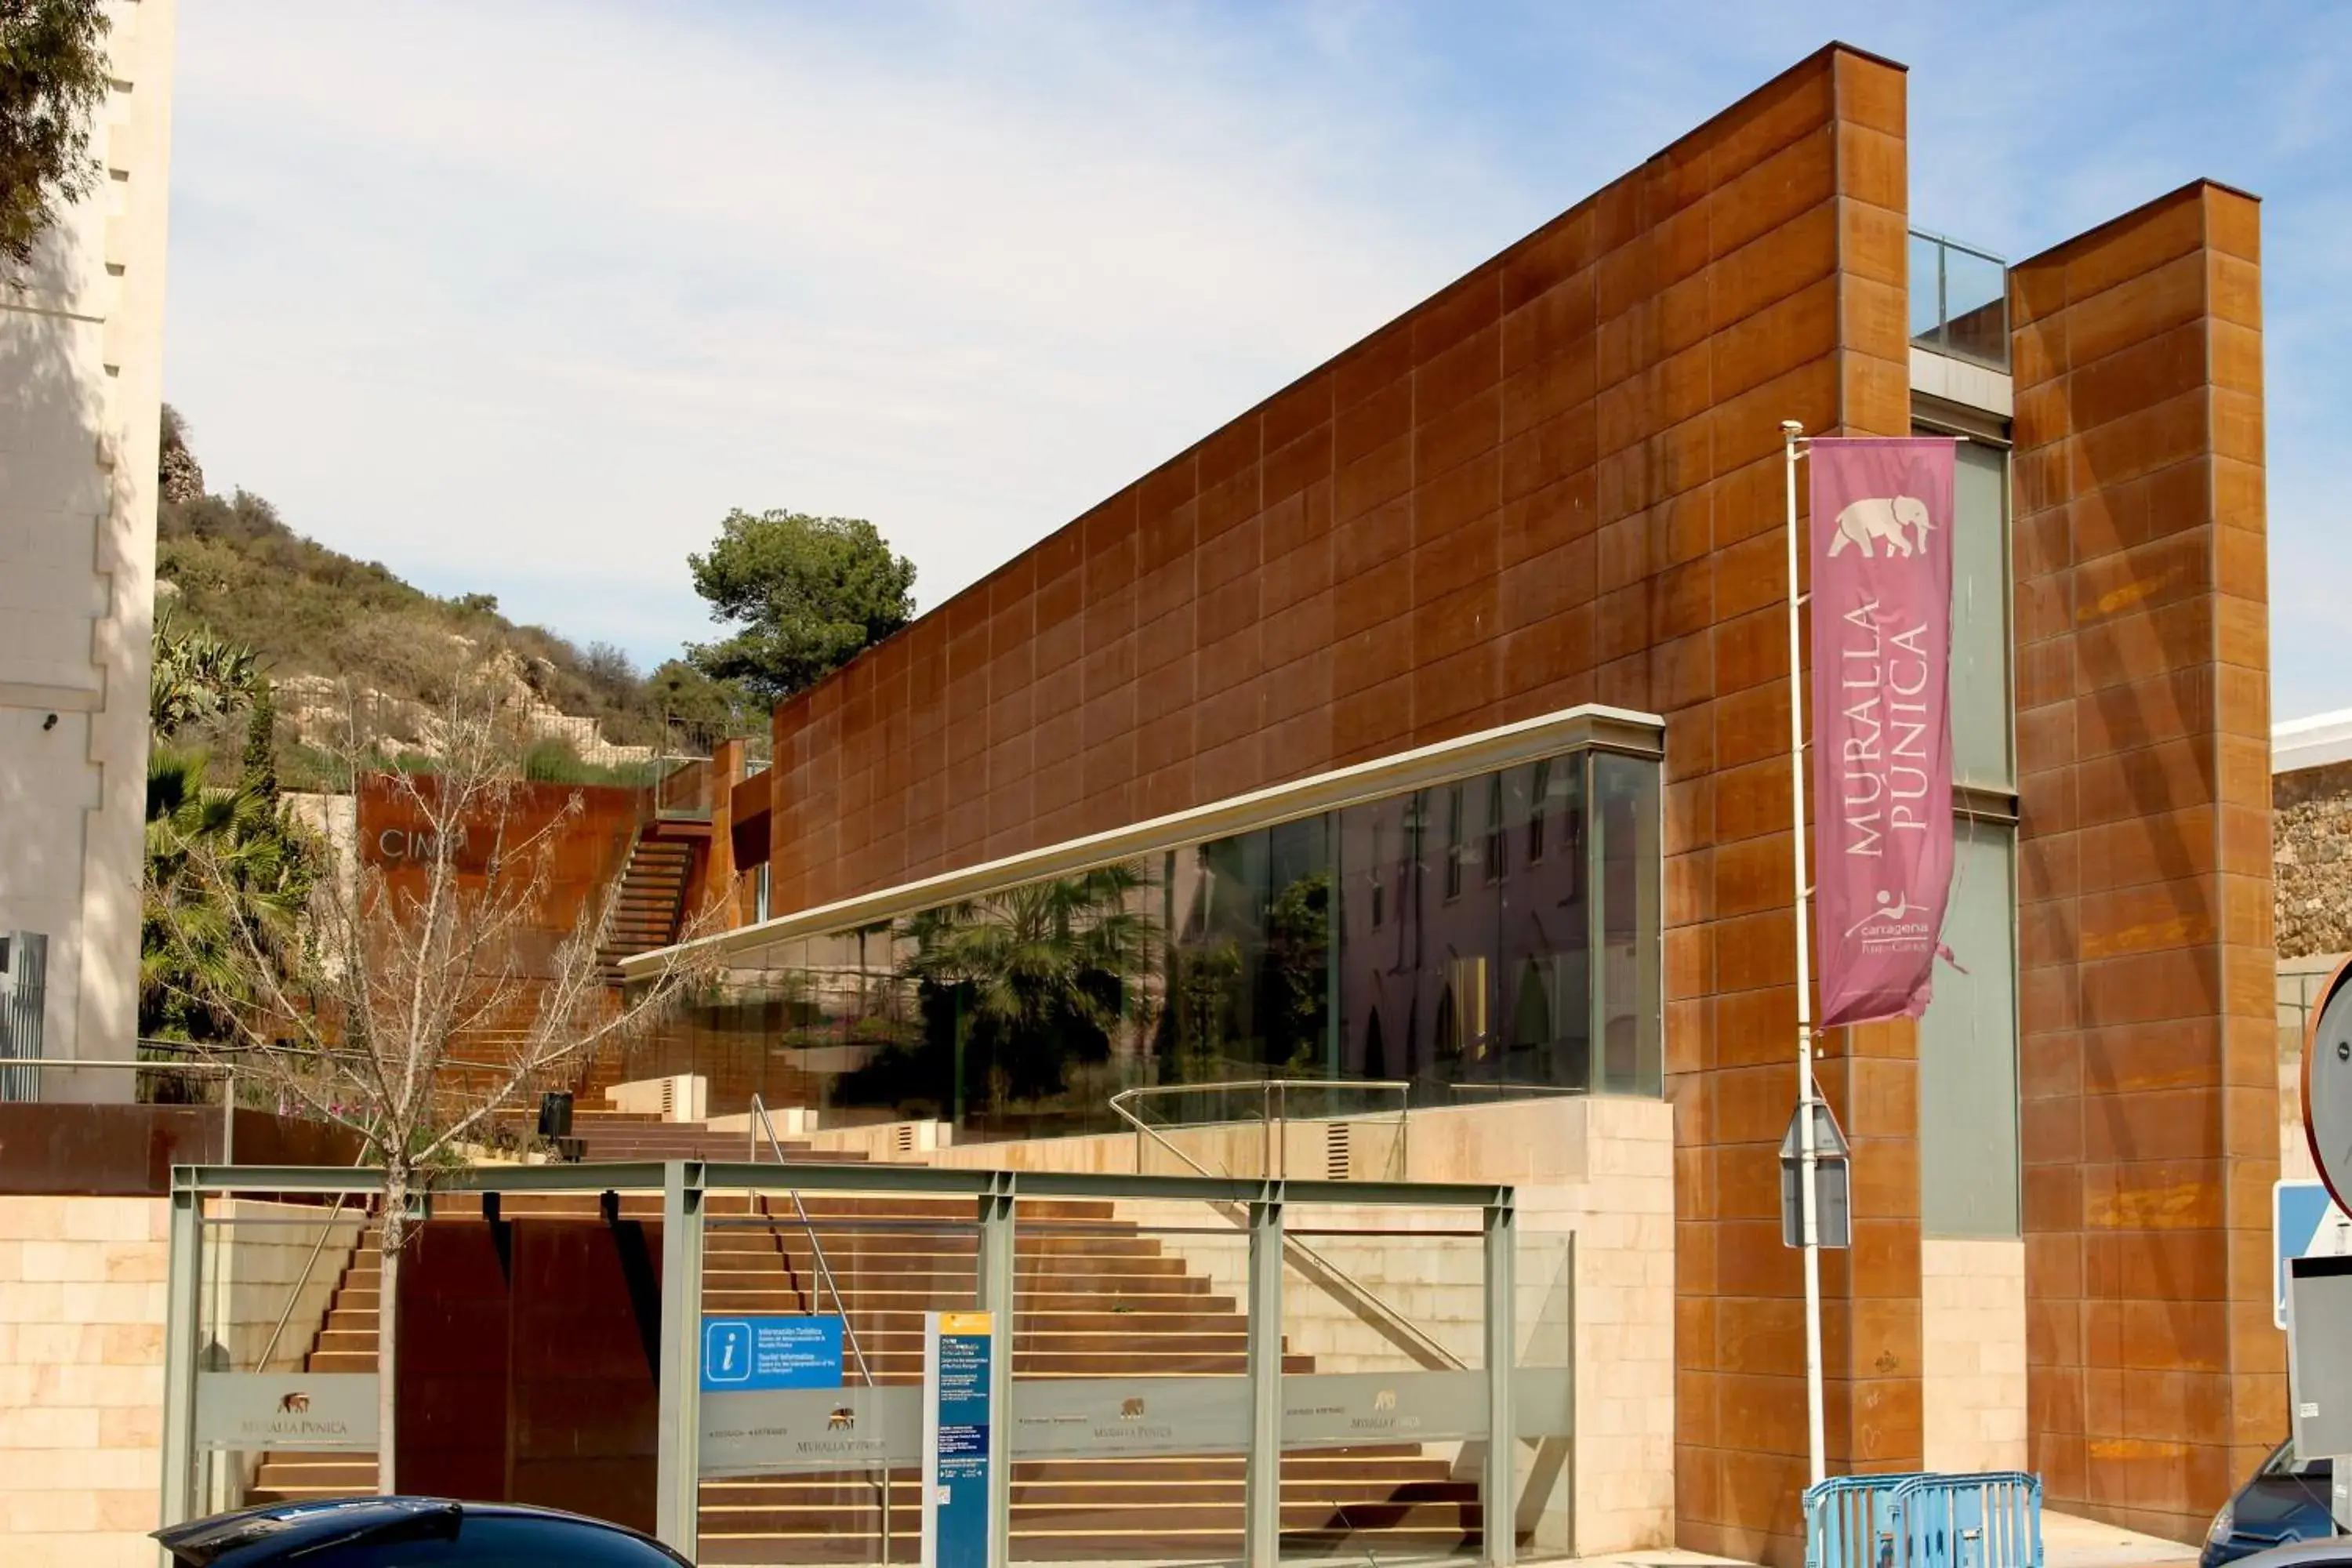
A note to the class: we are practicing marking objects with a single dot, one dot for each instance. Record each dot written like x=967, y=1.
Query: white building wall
x=82, y=345
x=1972, y=1354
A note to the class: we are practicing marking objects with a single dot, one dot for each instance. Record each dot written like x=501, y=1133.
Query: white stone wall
x=81, y=1380
x=82, y=341
x=1972, y=1354
x=81, y=1356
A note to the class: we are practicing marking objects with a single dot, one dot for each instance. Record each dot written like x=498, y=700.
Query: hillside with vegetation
x=320, y=624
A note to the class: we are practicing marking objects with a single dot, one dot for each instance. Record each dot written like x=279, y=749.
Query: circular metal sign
x=2327, y=1086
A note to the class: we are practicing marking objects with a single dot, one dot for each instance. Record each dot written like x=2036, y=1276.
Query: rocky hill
x=320, y=621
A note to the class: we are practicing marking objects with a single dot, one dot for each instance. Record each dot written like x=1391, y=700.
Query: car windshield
x=2281, y=1465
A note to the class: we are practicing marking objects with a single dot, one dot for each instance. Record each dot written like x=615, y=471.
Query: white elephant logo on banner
x=1883, y=518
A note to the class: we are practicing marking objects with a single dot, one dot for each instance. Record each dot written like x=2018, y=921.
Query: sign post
x=958, y=1438
x=1873, y=908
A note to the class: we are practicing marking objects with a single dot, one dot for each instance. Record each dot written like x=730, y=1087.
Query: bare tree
x=409, y=1009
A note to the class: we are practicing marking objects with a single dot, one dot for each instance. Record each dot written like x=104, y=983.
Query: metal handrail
x=225, y=1070
x=1332, y=1276
x=816, y=1245
x=880, y=1473
x=1273, y=1107
x=326, y=1229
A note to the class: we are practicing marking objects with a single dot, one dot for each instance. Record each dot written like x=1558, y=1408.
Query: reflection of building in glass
x=1475, y=934
x=1470, y=920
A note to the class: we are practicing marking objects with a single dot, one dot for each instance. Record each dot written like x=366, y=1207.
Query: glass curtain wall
x=1491, y=936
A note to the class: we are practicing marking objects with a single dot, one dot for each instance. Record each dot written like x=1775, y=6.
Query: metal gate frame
x=683, y=1187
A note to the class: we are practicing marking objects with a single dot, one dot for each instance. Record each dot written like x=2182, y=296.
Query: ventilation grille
x=905, y=1138
x=1337, y=1148
x=669, y=1099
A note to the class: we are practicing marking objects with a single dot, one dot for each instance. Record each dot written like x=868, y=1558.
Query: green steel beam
x=1499, y=1504
x=997, y=1243
x=182, y=1312
x=678, y=1461
x=647, y=1176
x=1262, y=1485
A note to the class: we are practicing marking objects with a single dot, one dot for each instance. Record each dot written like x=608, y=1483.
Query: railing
x=310, y=1264
x=1269, y=1101
x=1917, y=1520
x=1528, y=1399
x=685, y=789
x=32, y=1068
x=1959, y=300
x=881, y=1474
x=1402, y=1330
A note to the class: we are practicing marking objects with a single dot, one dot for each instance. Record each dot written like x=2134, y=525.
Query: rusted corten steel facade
x=2149, y=1135
x=1559, y=481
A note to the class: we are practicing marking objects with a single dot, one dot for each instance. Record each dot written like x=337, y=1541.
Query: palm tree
x=258, y=879
x=1046, y=973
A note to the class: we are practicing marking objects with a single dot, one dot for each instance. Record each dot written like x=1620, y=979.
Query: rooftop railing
x=1959, y=300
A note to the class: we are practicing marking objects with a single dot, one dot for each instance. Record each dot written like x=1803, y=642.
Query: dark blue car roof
x=255, y=1536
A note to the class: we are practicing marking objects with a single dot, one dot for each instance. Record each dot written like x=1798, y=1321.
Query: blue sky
x=522, y=298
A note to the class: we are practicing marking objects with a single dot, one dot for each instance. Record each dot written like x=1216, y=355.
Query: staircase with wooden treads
x=1095, y=1298
x=652, y=899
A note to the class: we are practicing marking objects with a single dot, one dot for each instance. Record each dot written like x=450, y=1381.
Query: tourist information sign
x=958, y=1438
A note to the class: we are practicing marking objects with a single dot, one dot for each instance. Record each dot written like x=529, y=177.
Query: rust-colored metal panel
x=1557, y=481
x=590, y=850
x=527, y=1365
x=2147, y=1159
x=128, y=1149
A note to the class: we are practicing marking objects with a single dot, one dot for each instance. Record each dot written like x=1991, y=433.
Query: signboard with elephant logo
x=1331, y=1410
x=786, y=1431
x=252, y=1411
x=1882, y=762
x=1129, y=1415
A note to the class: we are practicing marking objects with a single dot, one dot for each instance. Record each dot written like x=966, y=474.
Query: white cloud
x=525, y=297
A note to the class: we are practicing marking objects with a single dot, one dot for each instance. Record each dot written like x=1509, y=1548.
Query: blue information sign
x=746, y=1354
x=956, y=1470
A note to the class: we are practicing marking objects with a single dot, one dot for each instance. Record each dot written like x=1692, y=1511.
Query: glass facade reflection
x=1491, y=935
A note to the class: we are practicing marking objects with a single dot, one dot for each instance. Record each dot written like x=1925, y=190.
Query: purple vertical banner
x=1882, y=620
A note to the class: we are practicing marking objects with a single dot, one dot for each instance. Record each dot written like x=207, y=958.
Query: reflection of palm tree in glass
x=1044, y=974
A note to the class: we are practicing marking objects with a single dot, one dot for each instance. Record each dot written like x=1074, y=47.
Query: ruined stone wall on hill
x=2311, y=827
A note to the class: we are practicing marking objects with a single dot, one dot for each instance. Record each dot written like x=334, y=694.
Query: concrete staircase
x=627, y=1135
x=1095, y=1298
x=652, y=899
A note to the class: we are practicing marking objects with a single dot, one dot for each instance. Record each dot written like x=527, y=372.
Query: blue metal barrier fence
x=1919, y=1520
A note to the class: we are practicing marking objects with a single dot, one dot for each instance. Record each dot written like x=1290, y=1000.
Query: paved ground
x=2070, y=1542
x=2066, y=1543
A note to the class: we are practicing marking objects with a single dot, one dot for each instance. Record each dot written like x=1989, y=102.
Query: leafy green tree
x=1044, y=975
x=260, y=763
x=53, y=75
x=697, y=711
x=1297, y=960
x=806, y=593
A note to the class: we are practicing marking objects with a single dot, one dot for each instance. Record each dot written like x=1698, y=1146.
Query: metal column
x=679, y=1466
x=1262, y=1529
x=1500, y=1495
x=997, y=1283
x=183, y=1303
